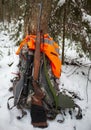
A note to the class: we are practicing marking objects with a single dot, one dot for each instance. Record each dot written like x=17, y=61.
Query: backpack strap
x=53, y=92
x=8, y=105
x=20, y=107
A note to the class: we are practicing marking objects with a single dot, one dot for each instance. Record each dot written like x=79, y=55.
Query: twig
x=87, y=82
x=72, y=72
x=77, y=63
x=73, y=95
x=69, y=70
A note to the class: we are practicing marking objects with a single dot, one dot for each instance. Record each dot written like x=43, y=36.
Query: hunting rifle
x=38, y=114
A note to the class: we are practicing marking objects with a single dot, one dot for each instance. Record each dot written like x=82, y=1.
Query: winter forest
x=68, y=22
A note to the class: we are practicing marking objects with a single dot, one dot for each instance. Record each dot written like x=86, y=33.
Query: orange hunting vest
x=49, y=47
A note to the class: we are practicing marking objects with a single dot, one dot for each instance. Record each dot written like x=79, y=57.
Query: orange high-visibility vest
x=49, y=47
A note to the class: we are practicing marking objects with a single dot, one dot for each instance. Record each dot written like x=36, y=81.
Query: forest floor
x=73, y=78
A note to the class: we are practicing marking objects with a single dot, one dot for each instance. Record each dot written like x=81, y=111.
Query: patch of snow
x=71, y=79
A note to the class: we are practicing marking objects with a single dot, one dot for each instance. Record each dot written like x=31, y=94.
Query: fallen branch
x=76, y=63
x=87, y=82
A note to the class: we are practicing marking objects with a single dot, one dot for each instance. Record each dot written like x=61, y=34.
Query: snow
x=61, y=2
x=71, y=79
x=86, y=18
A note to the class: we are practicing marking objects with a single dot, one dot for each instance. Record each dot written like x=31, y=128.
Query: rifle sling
x=53, y=92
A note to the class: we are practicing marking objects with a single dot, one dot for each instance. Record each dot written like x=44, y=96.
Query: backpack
x=55, y=102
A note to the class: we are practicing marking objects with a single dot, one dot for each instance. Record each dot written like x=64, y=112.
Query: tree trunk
x=64, y=23
x=31, y=16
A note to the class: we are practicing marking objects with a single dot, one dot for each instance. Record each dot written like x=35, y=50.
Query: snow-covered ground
x=73, y=78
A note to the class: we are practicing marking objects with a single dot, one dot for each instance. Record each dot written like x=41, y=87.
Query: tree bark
x=31, y=16
x=64, y=23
